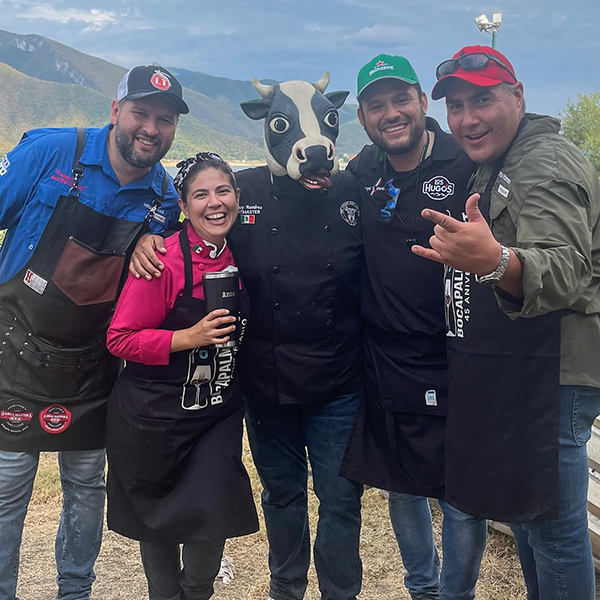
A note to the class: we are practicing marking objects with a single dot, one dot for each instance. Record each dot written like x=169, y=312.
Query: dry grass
x=120, y=576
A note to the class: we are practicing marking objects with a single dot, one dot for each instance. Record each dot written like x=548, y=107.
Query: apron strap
x=77, y=170
x=184, y=242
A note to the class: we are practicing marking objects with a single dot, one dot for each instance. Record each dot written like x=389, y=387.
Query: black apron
x=174, y=440
x=503, y=419
x=397, y=441
x=55, y=372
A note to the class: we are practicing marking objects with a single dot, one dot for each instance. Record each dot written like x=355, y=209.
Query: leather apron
x=55, y=371
x=174, y=440
x=503, y=419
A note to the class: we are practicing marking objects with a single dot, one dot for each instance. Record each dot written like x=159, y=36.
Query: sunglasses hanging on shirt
x=388, y=210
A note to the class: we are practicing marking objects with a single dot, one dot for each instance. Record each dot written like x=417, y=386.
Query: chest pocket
x=47, y=198
x=503, y=211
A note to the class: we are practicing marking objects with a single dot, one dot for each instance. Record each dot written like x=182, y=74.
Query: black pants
x=168, y=581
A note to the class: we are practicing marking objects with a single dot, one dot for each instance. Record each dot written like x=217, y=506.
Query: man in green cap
x=398, y=438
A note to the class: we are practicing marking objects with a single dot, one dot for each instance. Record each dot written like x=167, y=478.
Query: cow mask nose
x=317, y=157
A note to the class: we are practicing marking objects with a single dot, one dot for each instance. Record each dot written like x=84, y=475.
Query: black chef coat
x=299, y=253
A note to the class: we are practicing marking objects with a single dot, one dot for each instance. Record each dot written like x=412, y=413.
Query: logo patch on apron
x=35, y=282
x=350, y=212
x=430, y=398
x=55, y=419
x=15, y=417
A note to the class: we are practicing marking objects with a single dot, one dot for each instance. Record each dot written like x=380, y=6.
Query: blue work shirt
x=37, y=172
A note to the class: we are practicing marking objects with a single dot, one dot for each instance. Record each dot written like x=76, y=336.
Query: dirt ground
x=120, y=576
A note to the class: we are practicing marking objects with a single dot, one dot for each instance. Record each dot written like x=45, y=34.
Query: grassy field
x=120, y=576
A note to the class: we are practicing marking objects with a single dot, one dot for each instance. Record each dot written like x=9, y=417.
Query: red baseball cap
x=491, y=74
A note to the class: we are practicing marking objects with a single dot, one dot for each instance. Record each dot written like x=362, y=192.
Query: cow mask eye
x=331, y=119
x=279, y=125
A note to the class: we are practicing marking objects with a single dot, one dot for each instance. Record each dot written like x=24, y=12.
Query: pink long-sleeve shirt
x=144, y=305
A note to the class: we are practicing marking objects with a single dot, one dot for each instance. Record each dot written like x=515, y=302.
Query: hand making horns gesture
x=467, y=246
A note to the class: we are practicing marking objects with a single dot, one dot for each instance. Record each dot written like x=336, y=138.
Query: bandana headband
x=185, y=166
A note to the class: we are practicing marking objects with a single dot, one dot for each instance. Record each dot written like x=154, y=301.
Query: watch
x=496, y=275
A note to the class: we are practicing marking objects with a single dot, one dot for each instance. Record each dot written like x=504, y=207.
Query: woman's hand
x=205, y=332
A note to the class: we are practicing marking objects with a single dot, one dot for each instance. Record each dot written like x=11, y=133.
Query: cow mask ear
x=256, y=109
x=336, y=98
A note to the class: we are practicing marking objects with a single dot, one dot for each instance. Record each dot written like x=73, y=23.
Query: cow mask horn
x=301, y=126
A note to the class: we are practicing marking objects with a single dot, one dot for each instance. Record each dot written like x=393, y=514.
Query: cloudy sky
x=554, y=45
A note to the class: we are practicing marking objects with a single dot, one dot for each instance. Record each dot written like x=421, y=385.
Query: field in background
x=120, y=576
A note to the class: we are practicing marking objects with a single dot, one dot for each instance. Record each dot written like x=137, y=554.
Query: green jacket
x=545, y=205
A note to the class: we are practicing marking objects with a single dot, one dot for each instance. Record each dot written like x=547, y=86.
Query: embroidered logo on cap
x=350, y=212
x=161, y=81
x=381, y=66
x=15, y=417
x=438, y=188
x=55, y=419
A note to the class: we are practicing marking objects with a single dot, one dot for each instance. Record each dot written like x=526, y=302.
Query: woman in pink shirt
x=174, y=437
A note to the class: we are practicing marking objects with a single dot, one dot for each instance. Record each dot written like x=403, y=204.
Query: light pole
x=484, y=24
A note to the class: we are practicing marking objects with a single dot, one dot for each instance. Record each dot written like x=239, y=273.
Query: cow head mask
x=301, y=126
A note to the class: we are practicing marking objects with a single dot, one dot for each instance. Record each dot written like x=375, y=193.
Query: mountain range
x=48, y=84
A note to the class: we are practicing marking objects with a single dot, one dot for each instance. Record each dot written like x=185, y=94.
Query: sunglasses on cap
x=469, y=62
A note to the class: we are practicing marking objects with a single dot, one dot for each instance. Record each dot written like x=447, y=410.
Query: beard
x=125, y=145
x=402, y=147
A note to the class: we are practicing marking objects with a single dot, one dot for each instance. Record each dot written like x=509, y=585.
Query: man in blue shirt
x=73, y=206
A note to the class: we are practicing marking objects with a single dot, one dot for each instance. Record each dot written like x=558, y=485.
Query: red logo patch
x=160, y=81
x=55, y=419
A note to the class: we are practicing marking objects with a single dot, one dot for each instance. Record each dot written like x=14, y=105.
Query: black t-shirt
x=402, y=295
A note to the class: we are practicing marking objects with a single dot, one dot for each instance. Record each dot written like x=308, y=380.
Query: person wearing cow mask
x=298, y=247
x=299, y=250
x=398, y=439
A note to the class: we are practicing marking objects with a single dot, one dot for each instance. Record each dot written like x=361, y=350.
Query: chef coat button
x=31, y=246
x=275, y=197
x=329, y=321
x=329, y=267
x=329, y=339
x=275, y=270
x=202, y=266
x=276, y=342
x=327, y=229
x=328, y=304
x=274, y=231
x=21, y=353
x=276, y=306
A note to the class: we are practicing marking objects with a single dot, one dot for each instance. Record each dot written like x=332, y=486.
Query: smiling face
x=484, y=120
x=144, y=129
x=393, y=115
x=211, y=204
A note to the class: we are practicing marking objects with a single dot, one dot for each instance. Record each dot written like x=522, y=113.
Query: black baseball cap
x=147, y=81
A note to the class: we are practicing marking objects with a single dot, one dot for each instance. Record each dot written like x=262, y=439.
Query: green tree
x=581, y=124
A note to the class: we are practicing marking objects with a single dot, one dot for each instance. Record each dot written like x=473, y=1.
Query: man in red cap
x=523, y=318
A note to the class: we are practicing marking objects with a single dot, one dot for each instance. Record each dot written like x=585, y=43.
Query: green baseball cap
x=385, y=66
